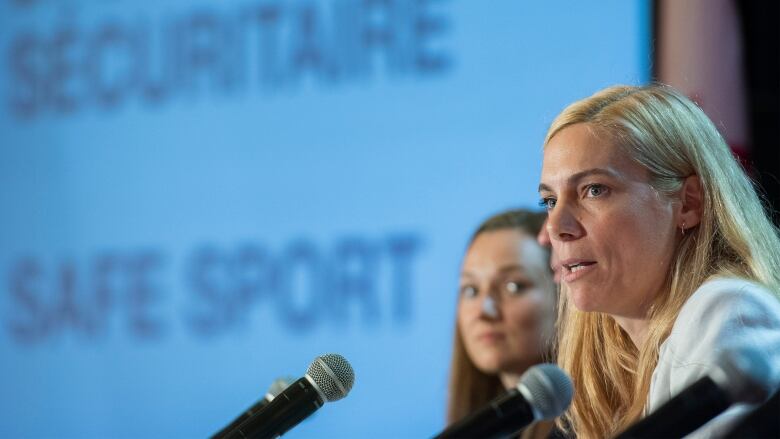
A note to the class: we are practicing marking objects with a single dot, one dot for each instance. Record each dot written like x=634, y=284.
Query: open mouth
x=575, y=267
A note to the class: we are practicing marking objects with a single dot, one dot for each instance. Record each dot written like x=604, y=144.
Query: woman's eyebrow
x=576, y=177
x=510, y=268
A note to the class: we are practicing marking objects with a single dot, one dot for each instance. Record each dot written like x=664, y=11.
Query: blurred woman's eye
x=468, y=291
x=514, y=287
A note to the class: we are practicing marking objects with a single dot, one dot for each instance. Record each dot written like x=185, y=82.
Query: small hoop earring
x=682, y=229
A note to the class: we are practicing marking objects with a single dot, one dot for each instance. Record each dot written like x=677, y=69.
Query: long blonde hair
x=673, y=139
x=469, y=387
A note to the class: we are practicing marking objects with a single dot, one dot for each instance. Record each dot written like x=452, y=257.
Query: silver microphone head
x=332, y=375
x=547, y=389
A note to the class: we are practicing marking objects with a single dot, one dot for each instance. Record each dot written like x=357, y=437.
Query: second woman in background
x=506, y=313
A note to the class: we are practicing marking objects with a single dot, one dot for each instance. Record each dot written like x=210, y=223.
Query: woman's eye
x=515, y=287
x=468, y=291
x=596, y=190
x=547, y=202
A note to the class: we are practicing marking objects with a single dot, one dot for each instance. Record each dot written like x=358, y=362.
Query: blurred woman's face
x=506, y=303
x=612, y=233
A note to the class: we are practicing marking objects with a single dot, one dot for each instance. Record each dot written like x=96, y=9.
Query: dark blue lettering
x=25, y=68
x=426, y=27
x=143, y=294
x=276, y=44
x=202, y=45
x=267, y=18
x=66, y=311
x=63, y=70
x=378, y=31
x=300, y=274
x=255, y=275
x=207, y=277
x=307, y=50
x=106, y=276
x=402, y=249
x=354, y=271
x=29, y=322
x=110, y=64
x=347, y=47
x=156, y=71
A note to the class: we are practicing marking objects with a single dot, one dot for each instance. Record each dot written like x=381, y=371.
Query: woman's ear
x=691, y=197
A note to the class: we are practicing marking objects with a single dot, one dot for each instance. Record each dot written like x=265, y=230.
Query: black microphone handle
x=505, y=415
x=285, y=411
x=761, y=422
x=681, y=415
x=259, y=405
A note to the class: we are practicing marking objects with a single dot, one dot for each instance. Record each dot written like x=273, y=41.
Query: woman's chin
x=497, y=365
x=490, y=366
x=584, y=301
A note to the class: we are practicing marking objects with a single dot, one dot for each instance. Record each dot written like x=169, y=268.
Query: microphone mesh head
x=333, y=375
x=548, y=390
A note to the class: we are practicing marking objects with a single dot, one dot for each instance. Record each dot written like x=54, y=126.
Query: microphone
x=544, y=392
x=328, y=378
x=761, y=422
x=738, y=376
x=276, y=388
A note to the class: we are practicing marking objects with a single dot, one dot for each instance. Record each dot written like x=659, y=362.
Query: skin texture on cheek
x=628, y=260
x=520, y=328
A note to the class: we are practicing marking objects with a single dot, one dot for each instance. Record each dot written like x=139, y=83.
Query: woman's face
x=506, y=303
x=613, y=234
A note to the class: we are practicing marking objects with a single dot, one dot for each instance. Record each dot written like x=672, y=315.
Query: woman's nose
x=489, y=307
x=563, y=225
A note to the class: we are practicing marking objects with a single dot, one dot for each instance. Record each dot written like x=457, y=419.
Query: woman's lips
x=491, y=336
x=574, y=269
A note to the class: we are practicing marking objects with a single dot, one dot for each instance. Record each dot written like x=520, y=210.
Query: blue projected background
x=201, y=196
